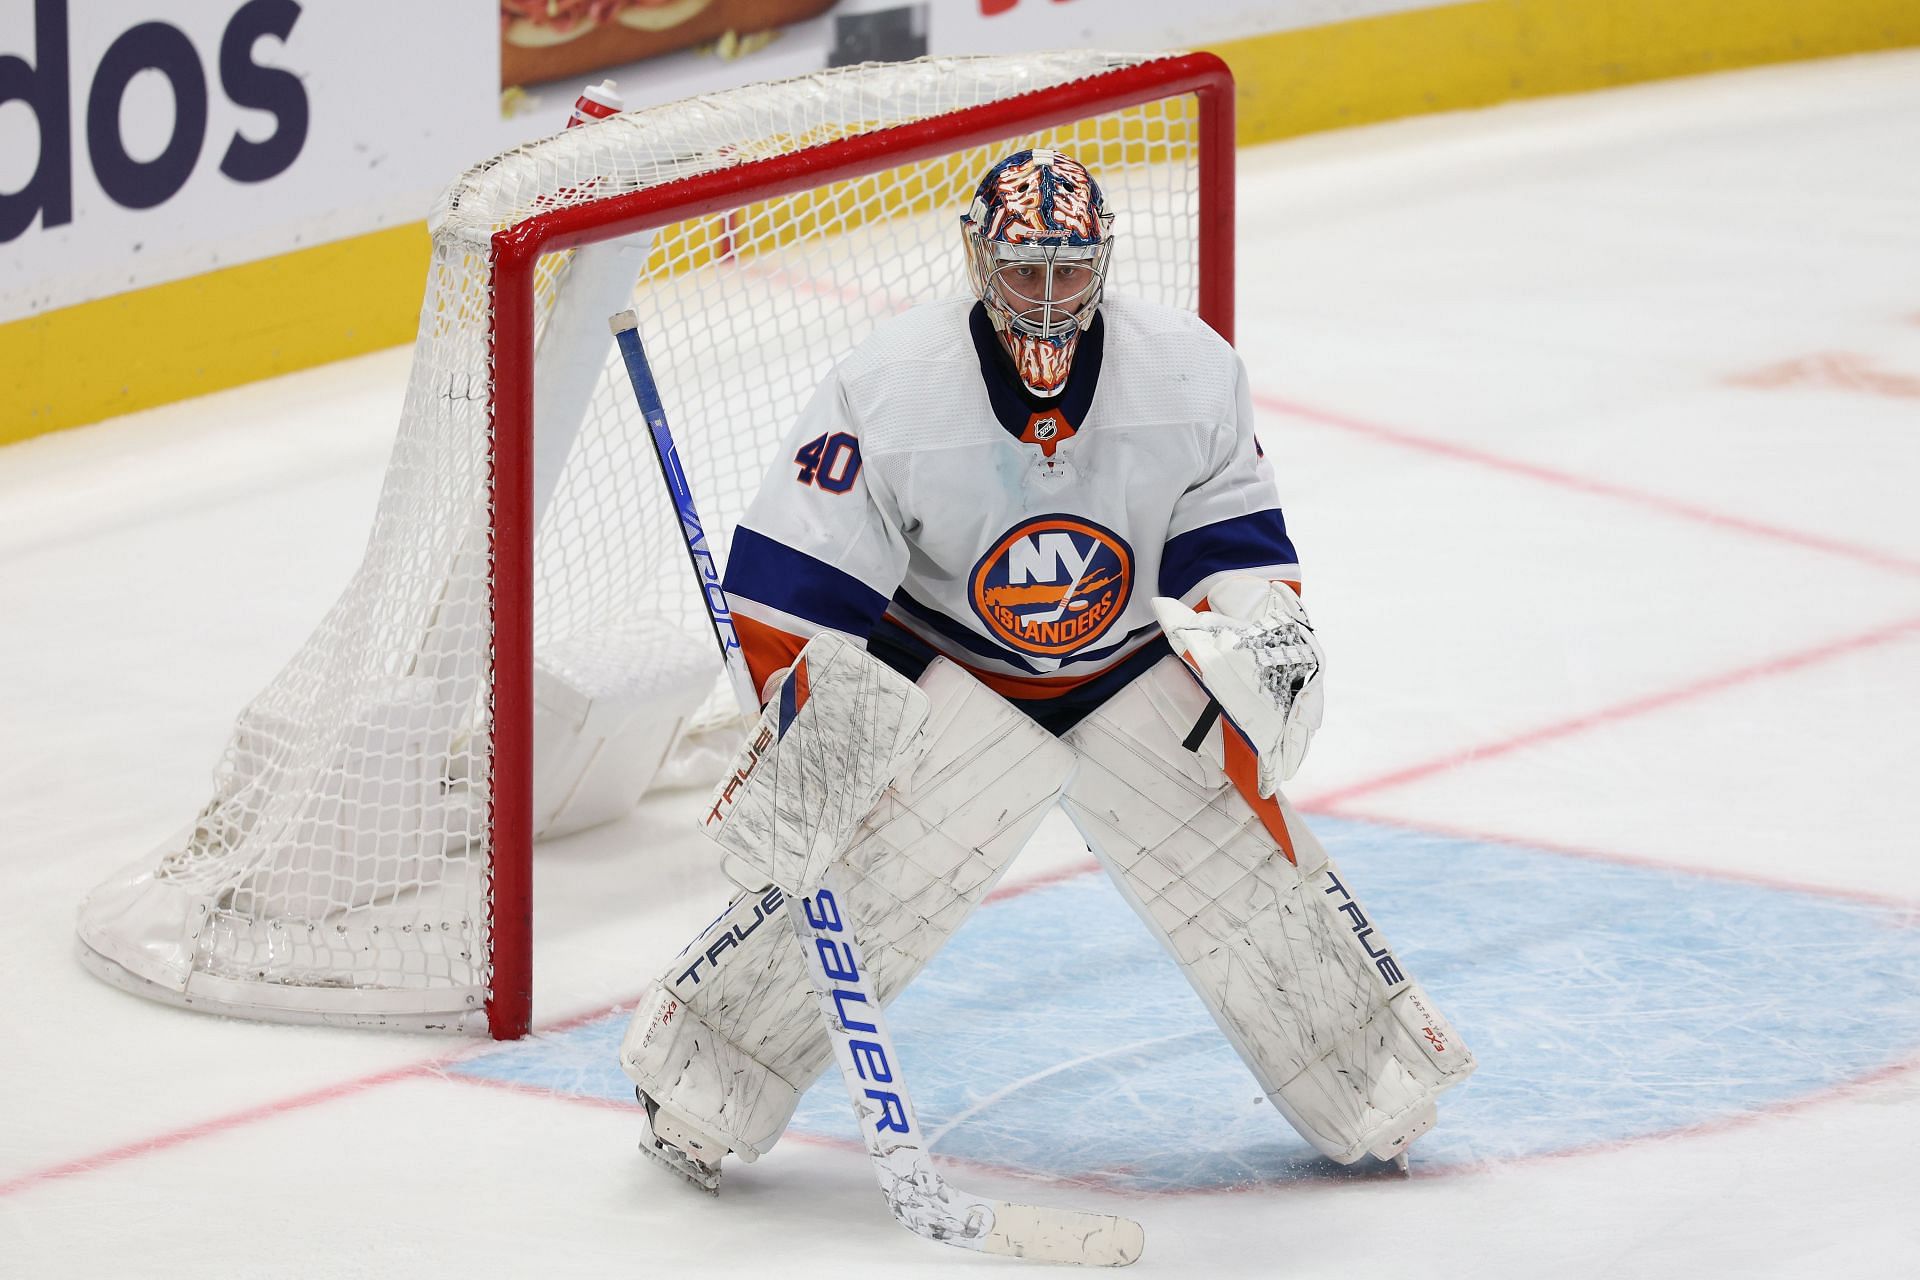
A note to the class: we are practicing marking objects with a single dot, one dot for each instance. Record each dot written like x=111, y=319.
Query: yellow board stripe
x=1474, y=55
x=189, y=337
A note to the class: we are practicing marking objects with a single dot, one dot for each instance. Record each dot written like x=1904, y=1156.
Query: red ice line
x=1332, y=801
x=218, y=1124
x=1599, y=488
x=429, y=1067
x=1326, y=803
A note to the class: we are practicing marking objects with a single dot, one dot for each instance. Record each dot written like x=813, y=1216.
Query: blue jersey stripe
x=1252, y=541
x=774, y=574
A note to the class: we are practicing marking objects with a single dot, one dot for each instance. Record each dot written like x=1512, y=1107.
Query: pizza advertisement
x=542, y=40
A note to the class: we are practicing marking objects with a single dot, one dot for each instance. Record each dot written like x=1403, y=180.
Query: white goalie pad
x=1343, y=1043
x=838, y=727
x=730, y=1035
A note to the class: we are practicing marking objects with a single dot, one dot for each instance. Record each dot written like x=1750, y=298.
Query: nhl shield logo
x=1046, y=429
x=1053, y=585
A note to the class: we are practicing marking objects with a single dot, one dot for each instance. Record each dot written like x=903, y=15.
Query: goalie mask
x=1038, y=237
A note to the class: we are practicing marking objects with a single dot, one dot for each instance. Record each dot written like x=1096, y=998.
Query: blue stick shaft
x=627, y=334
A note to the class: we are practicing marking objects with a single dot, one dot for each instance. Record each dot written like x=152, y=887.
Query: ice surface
x=1597, y=420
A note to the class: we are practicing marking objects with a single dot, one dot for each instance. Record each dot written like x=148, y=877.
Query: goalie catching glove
x=1255, y=652
x=838, y=727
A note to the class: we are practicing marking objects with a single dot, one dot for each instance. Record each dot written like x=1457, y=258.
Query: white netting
x=342, y=869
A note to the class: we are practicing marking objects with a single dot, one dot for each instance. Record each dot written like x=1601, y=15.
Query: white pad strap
x=937, y=842
x=839, y=725
x=1291, y=967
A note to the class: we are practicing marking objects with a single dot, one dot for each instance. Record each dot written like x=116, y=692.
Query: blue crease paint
x=1605, y=1002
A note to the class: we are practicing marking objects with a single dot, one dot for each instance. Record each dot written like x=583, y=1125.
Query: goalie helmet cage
x=366, y=858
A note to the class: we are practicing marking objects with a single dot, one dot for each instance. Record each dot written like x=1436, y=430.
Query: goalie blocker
x=1263, y=924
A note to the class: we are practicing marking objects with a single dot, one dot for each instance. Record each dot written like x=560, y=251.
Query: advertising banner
x=662, y=50
x=143, y=141
x=147, y=140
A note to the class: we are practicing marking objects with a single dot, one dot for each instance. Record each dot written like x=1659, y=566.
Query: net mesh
x=345, y=853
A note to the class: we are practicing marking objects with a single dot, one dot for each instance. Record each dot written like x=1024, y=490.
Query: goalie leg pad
x=1266, y=929
x=730, y=1035
x=838, y=728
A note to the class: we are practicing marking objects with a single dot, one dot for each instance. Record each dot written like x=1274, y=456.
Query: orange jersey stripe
x=1243, y=771
x=767, y=649
x=1242, y=766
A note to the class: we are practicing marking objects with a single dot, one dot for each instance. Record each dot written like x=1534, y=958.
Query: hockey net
x=522, y=650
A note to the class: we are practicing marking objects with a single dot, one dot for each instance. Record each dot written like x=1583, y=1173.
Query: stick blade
x=1063, y=1236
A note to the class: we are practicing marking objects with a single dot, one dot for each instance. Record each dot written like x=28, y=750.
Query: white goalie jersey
x=929, y=504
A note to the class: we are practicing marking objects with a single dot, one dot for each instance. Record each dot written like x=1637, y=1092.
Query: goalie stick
x=920, y=1199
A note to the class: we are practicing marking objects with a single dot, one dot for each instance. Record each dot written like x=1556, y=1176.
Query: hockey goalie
x=1037, y=527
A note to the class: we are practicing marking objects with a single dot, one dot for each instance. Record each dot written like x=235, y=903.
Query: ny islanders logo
x=1053, y=585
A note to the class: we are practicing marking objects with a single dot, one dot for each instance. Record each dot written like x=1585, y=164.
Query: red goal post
x=367, y=858
x=517, y=253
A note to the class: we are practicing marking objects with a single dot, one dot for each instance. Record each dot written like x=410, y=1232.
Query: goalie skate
x=674, y=1144
x=1392, y=1145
